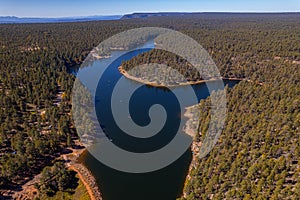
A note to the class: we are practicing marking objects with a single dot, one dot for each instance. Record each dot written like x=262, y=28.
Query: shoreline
x=154, y=84
x=82, y=171
x=84, y=174
x=71, y=162
x=195, y=146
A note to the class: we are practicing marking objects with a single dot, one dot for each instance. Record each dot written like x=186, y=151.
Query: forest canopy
x=257, y=156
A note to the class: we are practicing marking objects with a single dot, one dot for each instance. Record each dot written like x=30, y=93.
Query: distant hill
x=13, y=19
x=146, y=15
x=213, y=14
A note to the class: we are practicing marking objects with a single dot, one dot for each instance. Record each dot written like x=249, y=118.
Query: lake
x=166, y=183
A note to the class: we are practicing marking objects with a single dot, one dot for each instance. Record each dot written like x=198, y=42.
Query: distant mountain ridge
x=170, y=14
x=159, y=14
x=14, y=19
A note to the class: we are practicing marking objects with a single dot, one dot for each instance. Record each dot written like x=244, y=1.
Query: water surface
x=164, y=184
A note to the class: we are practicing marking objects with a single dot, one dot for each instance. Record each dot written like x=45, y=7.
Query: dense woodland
x=35, y=121
x=165, y=71
x=257, y=156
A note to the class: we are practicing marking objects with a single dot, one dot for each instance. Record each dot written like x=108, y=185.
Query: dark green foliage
x=56, y=178
x=160, y=57
x=257, y=156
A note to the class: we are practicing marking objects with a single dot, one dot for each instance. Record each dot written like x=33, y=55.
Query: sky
x=68, y=8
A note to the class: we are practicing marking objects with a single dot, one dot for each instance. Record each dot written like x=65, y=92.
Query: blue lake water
x=164, y=184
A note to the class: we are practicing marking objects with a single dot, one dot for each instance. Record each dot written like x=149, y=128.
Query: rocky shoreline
x=71, y=161
x=155, y=84
x=88, y=181
x=195, y=146
x=86, y=177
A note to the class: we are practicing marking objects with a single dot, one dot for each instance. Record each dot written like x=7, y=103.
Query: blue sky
x=62, y=8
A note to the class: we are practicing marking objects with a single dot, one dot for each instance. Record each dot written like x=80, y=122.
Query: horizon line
x=157, y=12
